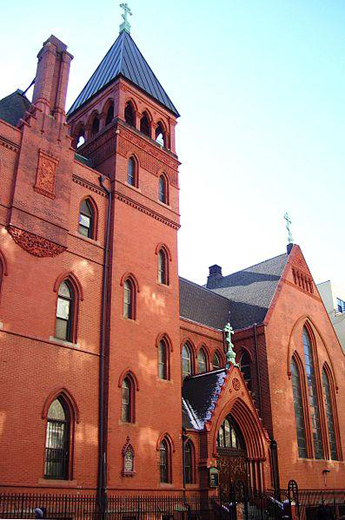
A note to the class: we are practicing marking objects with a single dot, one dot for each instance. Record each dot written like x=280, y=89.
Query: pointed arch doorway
x=232, y=456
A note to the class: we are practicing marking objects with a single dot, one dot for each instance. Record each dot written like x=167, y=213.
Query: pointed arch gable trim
x=131, y=277
x=68, y=275
x=249, y=425
x=310, y=326
x=4, y=263
x=168, y=438
x=128, y=373
x=165, y=337
x=160, y=246
x=67, y=396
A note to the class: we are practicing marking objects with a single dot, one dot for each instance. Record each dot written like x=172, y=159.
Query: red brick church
x=101, y=341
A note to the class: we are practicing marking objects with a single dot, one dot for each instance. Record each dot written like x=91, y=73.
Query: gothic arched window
x=129, y=114
x=189, y=462
x=329, y=415
x=165, y=461
x=299, y=411
x=145, y=124
x=163, y=360
x=87, y=219
x=202, y=361
x=127, y=404
x=312, y=393
x=216, y=361
x=163, y=267
x=163, y=189
x=129, y=299
x=187, y=368
x=132, y=172
x=245, y=368
x=57, y=445
x=65, y=319
x=229, y=435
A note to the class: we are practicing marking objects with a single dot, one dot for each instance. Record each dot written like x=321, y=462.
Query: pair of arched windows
x=203, y=361
x=133, y=180
x=145, y=124
x=88, y=218
x=307, y=399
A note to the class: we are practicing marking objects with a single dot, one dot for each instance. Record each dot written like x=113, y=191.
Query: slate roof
x=251, y=290
x=13, y=107
x=247, y=294
x=200, y=394
x=202, y=305
x=124, y=59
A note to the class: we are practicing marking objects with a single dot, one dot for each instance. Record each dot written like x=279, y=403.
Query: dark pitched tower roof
x=124, y=59
x=13, y=107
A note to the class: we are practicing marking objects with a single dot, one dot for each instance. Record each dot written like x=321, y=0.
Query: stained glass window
x=329, y=415
x=298, y=406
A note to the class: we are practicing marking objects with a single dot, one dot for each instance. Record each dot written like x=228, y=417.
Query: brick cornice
x=9, y=144
x=146, y=210
x=89, y=185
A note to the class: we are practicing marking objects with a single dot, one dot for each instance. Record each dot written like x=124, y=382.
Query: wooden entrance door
x=232, y=465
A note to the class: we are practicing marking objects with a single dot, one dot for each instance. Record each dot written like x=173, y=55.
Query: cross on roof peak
x=125, y=26
x=288, y=222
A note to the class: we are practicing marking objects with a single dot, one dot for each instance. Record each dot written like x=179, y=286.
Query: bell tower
x=123, y=124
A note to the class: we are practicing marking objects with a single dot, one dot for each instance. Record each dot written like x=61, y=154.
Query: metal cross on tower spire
x=288, y=222
x=125, y=26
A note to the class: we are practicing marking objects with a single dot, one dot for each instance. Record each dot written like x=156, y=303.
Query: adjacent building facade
x=101, y=340
x=333, y=297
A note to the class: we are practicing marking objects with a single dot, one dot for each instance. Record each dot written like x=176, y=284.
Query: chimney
x=52, y=78
x=214, y=277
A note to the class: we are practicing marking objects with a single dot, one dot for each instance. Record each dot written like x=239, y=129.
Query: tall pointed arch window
x=129, y=114
x=65, y=319
x=186, y=361
x=132, y=172
x=312, y=394
x=57, y=445
x=329, y=415
x=163, y=267
x=163, y=189
x=216, y=361
x=299, y=412
x=202, y=361
x=127, y=405
x=87, y=219
x=129, y=299
x=165, y=462
x=163, y=360
x=245, y=368
x=145, y=124
x=189, y=462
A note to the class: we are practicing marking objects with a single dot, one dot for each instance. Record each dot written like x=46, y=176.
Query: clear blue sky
x=260, y=85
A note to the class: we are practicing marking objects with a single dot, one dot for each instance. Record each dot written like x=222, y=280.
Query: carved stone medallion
x=236, y=384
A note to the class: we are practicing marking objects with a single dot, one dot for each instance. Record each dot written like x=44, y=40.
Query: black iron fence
x=242, y=504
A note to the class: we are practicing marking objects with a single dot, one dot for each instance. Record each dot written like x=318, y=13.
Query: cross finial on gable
x=288, y=222
x=125, y=26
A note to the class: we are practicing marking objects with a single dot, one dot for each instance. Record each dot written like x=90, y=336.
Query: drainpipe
x=102, y=451
x=258, y=368
x=184, y=438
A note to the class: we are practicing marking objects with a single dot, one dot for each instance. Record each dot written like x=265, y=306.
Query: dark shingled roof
x=13, y=107
x=246, y=294
x=202, y=305
x=125, y=59
x=251, y=290
x=200, y=394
